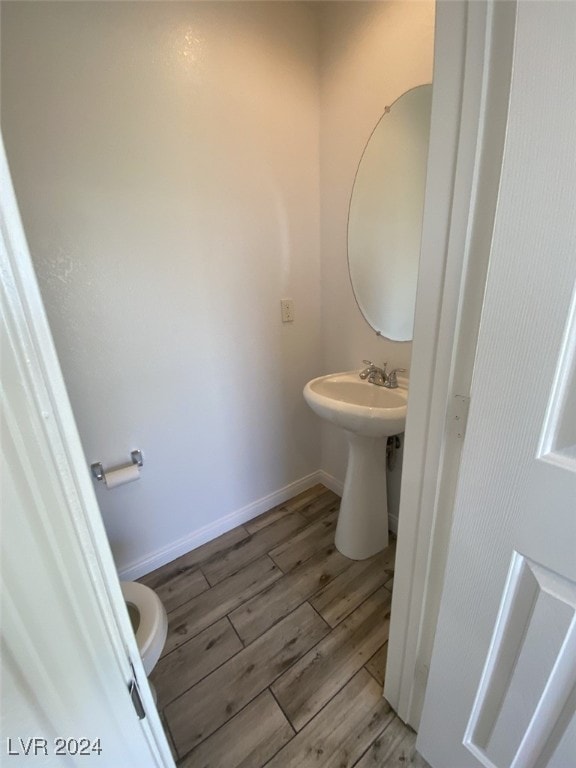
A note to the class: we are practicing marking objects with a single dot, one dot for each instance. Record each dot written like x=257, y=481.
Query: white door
x=502, y=684
x=68, y=653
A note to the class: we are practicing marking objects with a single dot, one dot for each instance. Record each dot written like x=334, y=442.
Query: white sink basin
x=369, y=414
x=357, y=406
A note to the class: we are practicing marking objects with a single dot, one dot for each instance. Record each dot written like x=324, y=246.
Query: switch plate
x=287, y=306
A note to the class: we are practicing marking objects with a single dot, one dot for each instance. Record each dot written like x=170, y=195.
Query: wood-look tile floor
x=276, y=648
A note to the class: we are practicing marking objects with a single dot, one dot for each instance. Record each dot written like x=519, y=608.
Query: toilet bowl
x=149, y=621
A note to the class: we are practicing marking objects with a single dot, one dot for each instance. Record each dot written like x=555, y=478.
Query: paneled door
x=502, y=685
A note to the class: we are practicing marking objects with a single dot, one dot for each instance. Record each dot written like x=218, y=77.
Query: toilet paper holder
x=98, y=470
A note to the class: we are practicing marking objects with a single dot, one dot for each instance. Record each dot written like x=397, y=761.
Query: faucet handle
x=392, y=379
x=367, y=371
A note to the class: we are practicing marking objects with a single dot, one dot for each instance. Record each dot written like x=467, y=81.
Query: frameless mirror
x=385, y=218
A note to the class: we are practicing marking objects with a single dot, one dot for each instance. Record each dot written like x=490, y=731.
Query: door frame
x=440, y=369
x=472, y=69
x=45, y=398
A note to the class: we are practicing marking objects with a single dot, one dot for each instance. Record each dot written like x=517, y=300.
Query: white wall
x=165, y=157
x=371, y=53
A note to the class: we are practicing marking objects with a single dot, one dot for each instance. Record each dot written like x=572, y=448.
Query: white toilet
x=149, y=621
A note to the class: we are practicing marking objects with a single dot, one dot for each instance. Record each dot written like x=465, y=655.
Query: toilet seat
x=153, y=622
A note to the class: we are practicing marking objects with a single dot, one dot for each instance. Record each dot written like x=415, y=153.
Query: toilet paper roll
x=122, y=476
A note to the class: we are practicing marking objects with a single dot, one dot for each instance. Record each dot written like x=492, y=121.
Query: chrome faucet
x=379, y=376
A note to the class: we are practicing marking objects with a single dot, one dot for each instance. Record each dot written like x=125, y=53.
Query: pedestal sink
x=368, y=414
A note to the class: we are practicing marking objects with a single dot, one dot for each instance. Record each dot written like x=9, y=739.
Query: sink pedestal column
x=362, y=528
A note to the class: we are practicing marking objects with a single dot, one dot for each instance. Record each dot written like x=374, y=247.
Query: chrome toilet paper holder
x=98, y=470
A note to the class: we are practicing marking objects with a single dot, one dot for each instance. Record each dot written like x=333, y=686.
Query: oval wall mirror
x=385, y=217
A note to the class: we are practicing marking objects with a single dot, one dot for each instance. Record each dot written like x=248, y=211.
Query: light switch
x=287, y=306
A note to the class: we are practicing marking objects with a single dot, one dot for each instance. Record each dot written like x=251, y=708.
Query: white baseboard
x=155, y=559
x=330, y=482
